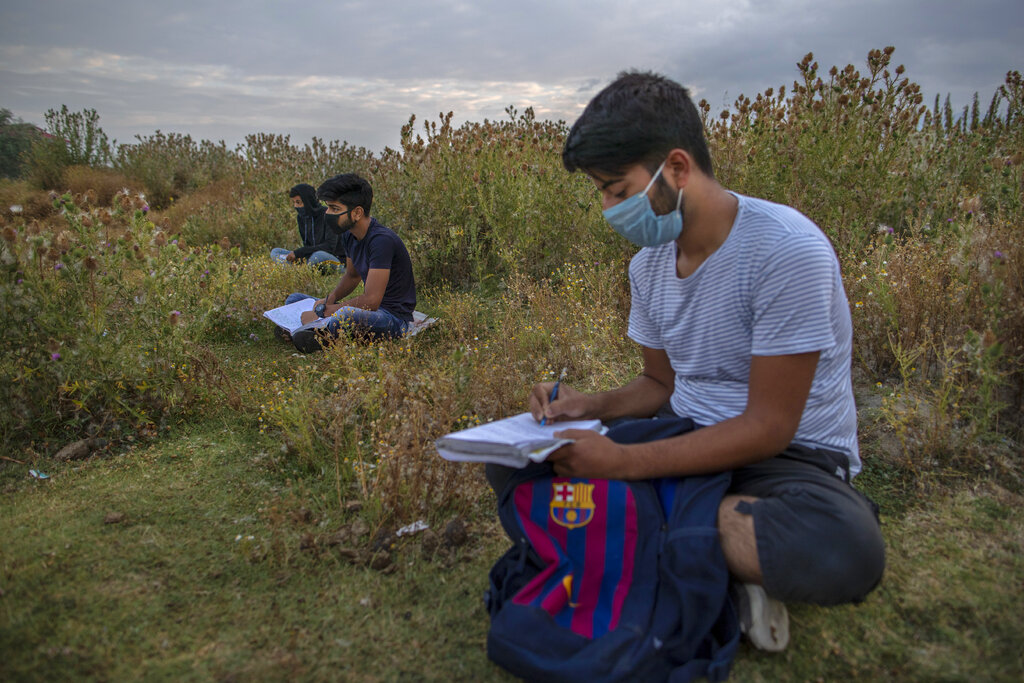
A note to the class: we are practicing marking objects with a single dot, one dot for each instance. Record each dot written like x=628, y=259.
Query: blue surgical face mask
x=635, y=220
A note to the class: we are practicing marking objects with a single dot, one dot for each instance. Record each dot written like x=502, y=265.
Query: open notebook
x=514, y=441
x=289, y=317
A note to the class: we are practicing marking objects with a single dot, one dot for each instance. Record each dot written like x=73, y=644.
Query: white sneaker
x=763, y=620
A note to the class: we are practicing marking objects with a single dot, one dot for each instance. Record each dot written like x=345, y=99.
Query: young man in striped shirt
x=739, y=309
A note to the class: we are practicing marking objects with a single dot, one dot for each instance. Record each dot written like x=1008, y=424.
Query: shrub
x=208, y=215
x=16, y=140
x=857, y=151
x=45, y=163
x=73, y=138
x=100, y=320
x=169, y=165
x=939, y=326
x=486, y=200
x=97, y=186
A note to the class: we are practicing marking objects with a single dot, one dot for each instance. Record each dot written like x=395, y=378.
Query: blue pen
x=554, y=393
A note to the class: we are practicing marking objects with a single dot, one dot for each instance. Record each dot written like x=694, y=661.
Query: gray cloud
x=357, y=70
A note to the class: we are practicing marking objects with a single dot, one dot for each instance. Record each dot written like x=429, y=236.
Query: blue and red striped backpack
x=611, y=580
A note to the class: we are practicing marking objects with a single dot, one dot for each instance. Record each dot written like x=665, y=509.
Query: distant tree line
x=16, y=140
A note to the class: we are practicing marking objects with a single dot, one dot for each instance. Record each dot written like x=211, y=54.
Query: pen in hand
x=554, y=393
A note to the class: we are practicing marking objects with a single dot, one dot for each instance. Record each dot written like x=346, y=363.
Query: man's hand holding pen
x=569, y=404
x=591, y=454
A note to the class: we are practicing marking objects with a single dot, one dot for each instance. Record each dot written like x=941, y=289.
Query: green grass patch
x=190, y=559
x=182, y=560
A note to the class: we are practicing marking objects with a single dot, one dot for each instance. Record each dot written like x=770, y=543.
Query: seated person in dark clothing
x=320, y=246
x=377, y=257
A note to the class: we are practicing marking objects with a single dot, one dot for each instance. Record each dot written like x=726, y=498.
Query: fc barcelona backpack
x=611, y=580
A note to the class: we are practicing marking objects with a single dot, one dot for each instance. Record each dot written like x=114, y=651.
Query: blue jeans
x=374, y=324
x=322, y=258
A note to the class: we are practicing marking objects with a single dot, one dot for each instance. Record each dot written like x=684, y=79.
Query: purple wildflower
x=58, y=265
x=999, y=254
x=54, y=356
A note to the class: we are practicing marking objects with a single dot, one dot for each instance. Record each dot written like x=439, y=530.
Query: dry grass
x=98, y=186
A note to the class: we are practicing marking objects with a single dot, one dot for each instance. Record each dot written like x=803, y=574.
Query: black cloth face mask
x=333, y=221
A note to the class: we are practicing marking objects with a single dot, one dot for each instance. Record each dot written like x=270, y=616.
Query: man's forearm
x=726, y=445
x=361, y=301
x=344, y=288
x=641, y=397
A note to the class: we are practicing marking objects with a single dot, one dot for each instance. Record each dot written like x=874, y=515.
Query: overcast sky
x=356, y=70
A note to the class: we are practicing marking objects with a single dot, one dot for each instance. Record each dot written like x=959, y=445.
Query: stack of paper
x=289, y=316
x=514, y=442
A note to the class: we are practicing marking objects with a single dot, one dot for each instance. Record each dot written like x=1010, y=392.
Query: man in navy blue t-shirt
x=377, y=257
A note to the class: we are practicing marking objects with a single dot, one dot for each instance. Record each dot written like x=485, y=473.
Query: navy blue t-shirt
x=382, y=248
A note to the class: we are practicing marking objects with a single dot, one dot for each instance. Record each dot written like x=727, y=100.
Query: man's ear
x=678, y=166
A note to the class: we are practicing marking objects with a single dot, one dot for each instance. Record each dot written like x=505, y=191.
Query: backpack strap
x=653, y=429
x=508, y=575
x=710, y=633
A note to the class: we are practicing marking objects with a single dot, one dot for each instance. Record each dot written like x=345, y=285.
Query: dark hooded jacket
x=315, y=235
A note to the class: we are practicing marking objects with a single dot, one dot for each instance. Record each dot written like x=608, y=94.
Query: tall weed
x=72, y=139
x=856, y=152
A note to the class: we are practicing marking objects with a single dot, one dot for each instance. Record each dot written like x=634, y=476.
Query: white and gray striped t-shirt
x=772, y=288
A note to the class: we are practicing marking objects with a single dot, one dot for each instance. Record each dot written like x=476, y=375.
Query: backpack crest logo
x=572, y=504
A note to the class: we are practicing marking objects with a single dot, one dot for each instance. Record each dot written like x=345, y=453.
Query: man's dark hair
x=348, y=189
x=638, y=118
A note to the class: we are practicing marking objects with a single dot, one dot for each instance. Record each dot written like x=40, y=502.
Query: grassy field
x=219, y=507
x=204, y=555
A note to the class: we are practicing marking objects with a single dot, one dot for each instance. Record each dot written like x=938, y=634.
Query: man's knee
x=854, y=564
x=296, y=296
x=821, y=550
